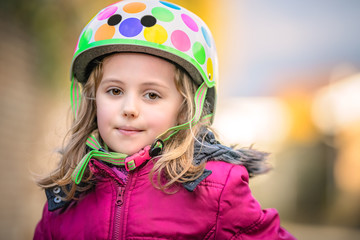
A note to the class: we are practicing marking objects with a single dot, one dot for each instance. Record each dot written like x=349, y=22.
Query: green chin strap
x=75, y=96
x=199, y=100
x=97, y=152
x=118, y=159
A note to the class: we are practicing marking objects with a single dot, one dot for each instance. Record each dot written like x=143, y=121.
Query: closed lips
x=129, y=130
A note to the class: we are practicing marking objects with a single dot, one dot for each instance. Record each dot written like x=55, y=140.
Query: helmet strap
x=120, y=159
x=75, y=96
x=199, y=100
x=117, y=159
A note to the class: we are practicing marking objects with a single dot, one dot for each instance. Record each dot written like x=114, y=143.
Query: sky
x=271, y=39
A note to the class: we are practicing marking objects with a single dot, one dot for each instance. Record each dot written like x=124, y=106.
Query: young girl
x=141, y=161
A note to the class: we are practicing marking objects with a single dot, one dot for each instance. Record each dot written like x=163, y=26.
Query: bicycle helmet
x=154, y=27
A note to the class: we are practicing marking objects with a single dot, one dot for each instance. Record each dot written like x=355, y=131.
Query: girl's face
x=136, y=100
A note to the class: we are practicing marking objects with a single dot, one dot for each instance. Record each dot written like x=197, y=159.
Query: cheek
x=163, y=119
x=102, y=114
x=99, y=114
x=99, y=118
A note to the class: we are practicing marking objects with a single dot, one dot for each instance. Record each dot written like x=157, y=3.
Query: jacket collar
x=207, y=148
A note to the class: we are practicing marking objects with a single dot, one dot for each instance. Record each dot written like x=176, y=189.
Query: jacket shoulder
x=222, y=171
x=240, y=214
x=215, y=174
x=238, y=210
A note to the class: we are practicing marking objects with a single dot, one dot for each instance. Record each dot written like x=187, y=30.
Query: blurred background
x=289, y=85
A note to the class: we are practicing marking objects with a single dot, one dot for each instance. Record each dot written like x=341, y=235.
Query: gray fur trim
x=207, y=148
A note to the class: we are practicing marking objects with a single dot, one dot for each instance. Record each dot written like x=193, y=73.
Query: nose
x=130, y=107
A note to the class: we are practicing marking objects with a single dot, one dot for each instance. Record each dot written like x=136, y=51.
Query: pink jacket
x=220, y=207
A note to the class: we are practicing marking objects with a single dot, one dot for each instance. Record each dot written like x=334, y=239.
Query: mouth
x=128, y=131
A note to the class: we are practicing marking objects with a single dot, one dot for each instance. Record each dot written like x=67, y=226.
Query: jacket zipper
x=117, y=217
x=120, y=199
x=118, y=205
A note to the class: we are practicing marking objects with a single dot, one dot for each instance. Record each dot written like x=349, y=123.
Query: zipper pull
x=120, y=197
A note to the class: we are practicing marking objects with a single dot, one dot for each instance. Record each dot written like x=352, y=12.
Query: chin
x=127, y=151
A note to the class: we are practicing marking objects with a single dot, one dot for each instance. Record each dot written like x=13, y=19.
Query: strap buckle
x=156, y=148
x=135, y=160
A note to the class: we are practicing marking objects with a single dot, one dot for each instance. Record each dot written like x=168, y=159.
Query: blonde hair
x=175, y=163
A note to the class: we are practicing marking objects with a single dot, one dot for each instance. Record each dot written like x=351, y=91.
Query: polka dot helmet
x=154, y=27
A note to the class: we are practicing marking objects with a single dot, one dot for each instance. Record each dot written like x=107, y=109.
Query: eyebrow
x=110, y=80
x=150, y=84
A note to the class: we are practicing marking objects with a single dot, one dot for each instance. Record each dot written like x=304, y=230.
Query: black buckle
x=156, y=148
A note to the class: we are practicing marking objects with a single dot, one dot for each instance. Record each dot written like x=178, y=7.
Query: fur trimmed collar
x=207, y=148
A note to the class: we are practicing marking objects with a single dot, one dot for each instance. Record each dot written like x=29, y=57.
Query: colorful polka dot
x=156, y=34
x=159, y=24
x=148, y=21
x=199, y=52
x=107, y=13
x=162, y=14
x=180, y=40
x=134, y=7
x=104, y=32
x=130, y=27
x=170, y=5
x=85, y=38
x=206, y=36
x=210, y=70
x=189, y=22
x=114, y=20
